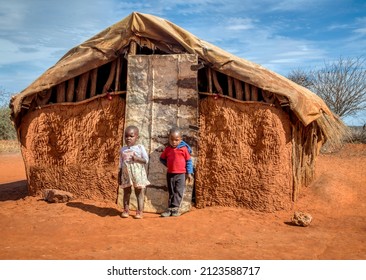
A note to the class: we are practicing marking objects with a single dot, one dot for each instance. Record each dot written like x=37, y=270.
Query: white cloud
x=240, y=24
x=337, y=26
x=361, y=31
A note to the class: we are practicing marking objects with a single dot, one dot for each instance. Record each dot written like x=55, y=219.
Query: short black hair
x=175, y=130
x=132, y=127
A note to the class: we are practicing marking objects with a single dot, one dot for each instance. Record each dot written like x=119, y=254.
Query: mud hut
x=255, y=134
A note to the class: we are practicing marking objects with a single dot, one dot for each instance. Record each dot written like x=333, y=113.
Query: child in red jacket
x=176, y=157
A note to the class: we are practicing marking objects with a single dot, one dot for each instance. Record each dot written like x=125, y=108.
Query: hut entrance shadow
x=13, y=191
x=100, y=211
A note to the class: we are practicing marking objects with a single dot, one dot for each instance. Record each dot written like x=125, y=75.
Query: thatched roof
x=154, y=31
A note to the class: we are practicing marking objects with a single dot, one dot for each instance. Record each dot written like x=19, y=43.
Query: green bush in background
x=7, y=130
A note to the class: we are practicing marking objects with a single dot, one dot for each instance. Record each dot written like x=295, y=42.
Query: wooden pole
x=118, y=74
x=93, y=81
x=70, y=90
x=209, y=78
x=247, y=92
x=254, y=95
x=230, y=86
x=216, y=82
x=60, y=93
x=238, y=89
x=82, y=87
x=110, y=79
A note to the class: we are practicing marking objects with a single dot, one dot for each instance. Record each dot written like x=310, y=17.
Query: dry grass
x=9, y=146
x=358, y=135
x=334, y=130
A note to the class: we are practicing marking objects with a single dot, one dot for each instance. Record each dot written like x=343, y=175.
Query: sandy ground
x=31, y=228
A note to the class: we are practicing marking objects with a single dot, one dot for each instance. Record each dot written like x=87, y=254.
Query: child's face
x=131, y=137
x=174, y=139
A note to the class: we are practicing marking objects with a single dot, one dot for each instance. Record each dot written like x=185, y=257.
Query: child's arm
x=189, y=178
x=189, y=168
x=119, y=176
x=144, y=157
x=163, y=158
x=120, y=167
x=139, y=159
x=163, y=161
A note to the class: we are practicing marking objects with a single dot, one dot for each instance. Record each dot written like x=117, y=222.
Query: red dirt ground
x=31, y=228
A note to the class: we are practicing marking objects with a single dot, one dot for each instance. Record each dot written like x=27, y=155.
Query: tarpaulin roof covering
x=151, y=30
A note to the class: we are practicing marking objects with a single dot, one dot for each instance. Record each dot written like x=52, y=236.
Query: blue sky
x=281, y=35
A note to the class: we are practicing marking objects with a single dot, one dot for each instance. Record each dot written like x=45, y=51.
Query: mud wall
x=74, y=147
x=244, y=156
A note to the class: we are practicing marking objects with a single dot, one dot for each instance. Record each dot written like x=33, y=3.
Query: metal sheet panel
x=162, y=93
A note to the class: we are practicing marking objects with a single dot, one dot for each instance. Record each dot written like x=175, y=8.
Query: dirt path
x=30, y=228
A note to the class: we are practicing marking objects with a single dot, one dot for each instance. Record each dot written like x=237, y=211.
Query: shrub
x=7, y=130
x=358, y=134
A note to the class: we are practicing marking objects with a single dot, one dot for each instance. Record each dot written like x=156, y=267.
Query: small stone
x=302, y=219
x=57, y=196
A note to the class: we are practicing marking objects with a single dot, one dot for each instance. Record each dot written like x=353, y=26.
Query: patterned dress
x=133, y=173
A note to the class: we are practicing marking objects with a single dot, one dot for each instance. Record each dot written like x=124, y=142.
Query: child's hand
x=189, y=178
x=119, y=177
x=137, y=159
x=134, y=158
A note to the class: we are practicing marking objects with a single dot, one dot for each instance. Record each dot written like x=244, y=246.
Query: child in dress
x=132, y=172
x=177, y=158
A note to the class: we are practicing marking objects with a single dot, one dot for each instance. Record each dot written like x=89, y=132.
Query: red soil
x=31, y=228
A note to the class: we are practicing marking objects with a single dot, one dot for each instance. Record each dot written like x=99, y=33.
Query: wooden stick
x=236, y=100
x=254, y=95
x=238, y=89
x=93, y=81
x=247, y=92
x=82, y=86
x=91, y=99
x=70, y=90
x=110, y=79
x=216, y=82
x=118, y=74
x=230, y=86
x=209, y=78
x=295, y=165
x=133, y=48
x=60, y=97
